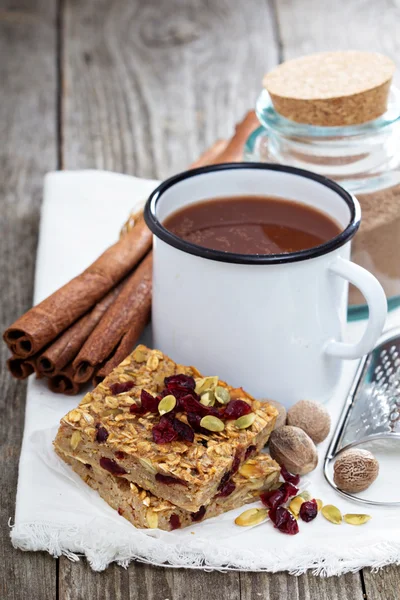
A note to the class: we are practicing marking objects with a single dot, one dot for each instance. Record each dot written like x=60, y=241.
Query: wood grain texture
x=264, y=586
x=155, y=583
x=28, y=149
x=383, y=585
x=77, y=581
x=149, y=85
x=318, y=25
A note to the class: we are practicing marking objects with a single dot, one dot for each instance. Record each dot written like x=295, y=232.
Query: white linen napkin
x=55, y=511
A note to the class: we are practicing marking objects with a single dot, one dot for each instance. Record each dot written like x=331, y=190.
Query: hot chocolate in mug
x=273, y=323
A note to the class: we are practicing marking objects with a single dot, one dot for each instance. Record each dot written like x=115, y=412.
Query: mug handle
x=377, y=304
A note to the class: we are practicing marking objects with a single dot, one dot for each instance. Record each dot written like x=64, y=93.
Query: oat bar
x=144, y=510
x=166, y=428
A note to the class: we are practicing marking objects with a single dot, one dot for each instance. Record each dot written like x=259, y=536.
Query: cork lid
x=331, y=88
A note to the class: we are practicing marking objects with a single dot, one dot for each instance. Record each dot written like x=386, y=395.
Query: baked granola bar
x=144, y=510
x=166, y=428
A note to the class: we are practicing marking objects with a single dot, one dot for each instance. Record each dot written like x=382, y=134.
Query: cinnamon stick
x=21, y=368
x=62, y=382
x=67, y=346
x=129, y=312
x=233, y=152
x=44, y=322
x=125, y=346
x=210, y=155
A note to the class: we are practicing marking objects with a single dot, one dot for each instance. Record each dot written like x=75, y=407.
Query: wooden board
x=28, y=149
x=149, y=85
x=144, y=87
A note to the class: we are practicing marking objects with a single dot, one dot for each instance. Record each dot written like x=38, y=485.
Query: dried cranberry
x=194, y=421
x=288, y=490
x=200, y=514
x=111, y=466
x=236, y=408
x=101, y=435
x=185, y=432
x=249, y=452
x=180, y=381
x=308, y=510
x=190, y=405
x=164, y=431
x=149, y=402
x=277, y=497
x=224, y=479
x=123, y=386
x=174, y=521
x=136, y=409
x=120, y=511
x=226, y=489
x=273, y=498
x=236, y=463
x=197, y=516
x=283, y=520
x=169, y=479
x=120, y=455
x=295, y=479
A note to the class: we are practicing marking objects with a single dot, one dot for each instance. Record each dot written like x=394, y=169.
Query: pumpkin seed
x=251, y=471
x=319, y=504
x=356, y=519
x=167, y=404
x=212, y=423
x=206, y=383
x=75, y=439
x=207, y=398
x=152, y=519
x=295, y=505
x=252, y=516
x=305, y=495
x=275, y=486
x=332, y=514
x=222, y=395
x=245, y=421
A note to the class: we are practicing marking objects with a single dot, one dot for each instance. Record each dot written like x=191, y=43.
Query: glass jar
x=365, y=159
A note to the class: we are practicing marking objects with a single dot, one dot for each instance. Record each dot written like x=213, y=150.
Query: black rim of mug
x=166, y=236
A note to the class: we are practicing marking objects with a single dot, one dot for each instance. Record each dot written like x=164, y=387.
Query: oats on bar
x=166, y=428
x=144, y=510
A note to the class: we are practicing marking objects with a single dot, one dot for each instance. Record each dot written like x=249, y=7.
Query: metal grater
x=372, y=410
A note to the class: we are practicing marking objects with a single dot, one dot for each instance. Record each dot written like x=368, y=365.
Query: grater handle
x=377, y=304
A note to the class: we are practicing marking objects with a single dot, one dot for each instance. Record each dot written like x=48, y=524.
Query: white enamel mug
x=269, y=323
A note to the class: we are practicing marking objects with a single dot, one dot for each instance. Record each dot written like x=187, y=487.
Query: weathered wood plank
x=77, y=581
x=28, y=149
x=149, y=85
x=318, y=25
x=383, y=585
x=156, y=583
x=263, y=586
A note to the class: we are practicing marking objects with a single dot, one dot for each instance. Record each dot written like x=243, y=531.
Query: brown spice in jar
x=375, y=246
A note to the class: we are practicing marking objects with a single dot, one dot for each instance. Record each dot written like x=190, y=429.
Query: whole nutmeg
x=311, y=417
x=294, y=449
x=355, y=470
x=281, y=418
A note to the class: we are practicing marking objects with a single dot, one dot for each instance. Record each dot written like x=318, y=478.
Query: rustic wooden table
x=142, y=86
